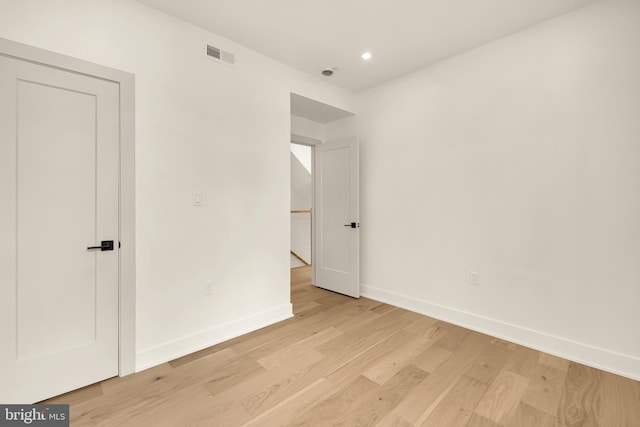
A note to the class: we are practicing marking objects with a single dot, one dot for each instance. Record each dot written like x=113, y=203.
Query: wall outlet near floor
x=474, y=278
x=208, y=287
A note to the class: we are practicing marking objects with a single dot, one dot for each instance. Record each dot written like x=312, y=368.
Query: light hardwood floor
x=357, y=362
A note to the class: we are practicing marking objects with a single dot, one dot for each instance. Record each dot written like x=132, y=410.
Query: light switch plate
x=197, y=198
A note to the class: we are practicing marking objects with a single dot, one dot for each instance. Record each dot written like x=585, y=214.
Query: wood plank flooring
x=358, y=362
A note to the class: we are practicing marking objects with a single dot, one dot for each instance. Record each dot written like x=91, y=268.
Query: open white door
x=337, y=238
x=59, y=183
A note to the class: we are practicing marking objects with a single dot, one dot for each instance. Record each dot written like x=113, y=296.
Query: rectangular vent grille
x=221, y=55
x=214, y=52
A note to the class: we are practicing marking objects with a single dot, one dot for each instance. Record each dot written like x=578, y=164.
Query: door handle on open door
x=105, y=245
x=353, y=225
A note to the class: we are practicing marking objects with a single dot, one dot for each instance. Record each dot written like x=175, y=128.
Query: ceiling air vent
x=221, y=55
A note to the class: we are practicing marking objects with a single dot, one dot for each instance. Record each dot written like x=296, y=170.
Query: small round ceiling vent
x=328, y=72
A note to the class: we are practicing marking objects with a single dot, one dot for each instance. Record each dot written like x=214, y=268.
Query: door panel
x=54, y=187
x=59, y=145
x=336, y=206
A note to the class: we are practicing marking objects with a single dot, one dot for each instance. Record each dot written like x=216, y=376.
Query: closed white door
x=337, y=242
x=59, y=166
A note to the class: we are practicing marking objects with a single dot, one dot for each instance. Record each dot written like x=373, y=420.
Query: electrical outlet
x=474, y=278
x=208, y=287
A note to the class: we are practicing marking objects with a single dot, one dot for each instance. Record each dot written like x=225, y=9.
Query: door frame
x=127, y=252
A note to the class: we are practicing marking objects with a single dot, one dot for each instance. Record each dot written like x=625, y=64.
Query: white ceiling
x=402, y=35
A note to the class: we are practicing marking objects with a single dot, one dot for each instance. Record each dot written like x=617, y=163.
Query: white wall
x=519, y=160
x=306, y=129
x=201, y=126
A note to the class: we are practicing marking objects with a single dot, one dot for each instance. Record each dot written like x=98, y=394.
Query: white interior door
x=337, y=242
x=59, y=168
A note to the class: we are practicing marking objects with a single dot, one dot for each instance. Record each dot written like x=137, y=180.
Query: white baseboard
x=172, y=350
x=606, y=360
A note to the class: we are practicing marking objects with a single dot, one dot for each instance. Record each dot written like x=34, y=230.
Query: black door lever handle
x=105, y=245
x=353, y=225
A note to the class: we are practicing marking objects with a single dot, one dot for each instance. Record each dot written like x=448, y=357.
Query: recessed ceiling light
x=366, y=56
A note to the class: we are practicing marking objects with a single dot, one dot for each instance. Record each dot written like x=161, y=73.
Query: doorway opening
x=312, y=124
x=301, y=205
